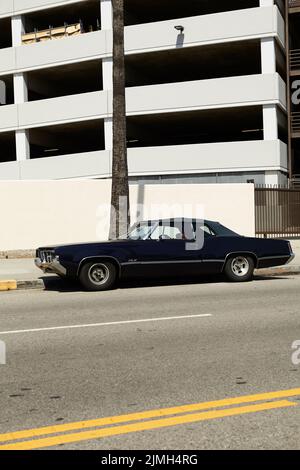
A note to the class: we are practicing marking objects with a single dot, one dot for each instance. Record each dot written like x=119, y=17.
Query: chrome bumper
x=53, y=266
x=291, y=258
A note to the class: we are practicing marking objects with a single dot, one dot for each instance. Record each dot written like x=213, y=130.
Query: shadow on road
x=57, y=284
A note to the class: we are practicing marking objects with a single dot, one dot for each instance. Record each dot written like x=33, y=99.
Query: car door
x=169, y=251
x=212, y=251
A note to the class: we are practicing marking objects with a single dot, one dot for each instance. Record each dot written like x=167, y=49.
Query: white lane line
x=90, y=325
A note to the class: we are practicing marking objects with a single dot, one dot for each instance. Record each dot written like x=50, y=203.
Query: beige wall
x=35, y=213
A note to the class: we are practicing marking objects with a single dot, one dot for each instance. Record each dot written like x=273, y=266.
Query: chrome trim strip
x=173, y=262
x=274, y=257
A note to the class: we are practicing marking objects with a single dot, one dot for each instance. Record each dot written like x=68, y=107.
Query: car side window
x=166, y=232
x=205, y=228
x=176, y=230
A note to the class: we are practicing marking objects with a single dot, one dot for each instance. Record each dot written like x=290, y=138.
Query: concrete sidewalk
x=21, y=274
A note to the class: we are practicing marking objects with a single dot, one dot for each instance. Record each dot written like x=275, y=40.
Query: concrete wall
x=207, y=29
x=250, y=90
x=54, y=212
x=261, y=155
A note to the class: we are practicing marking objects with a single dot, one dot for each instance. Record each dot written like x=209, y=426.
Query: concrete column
x=106, y=14
x=268, y=55
x=107, y=68
x=108, y=133
x=22, y=145
x=268, y=65
x=270, y=122
x=272, y=178
x=20, y=89
x=266, y=3
x=107, y=74
x=17, y=29
x=22, y=136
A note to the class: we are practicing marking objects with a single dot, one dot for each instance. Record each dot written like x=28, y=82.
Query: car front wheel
x=239, y=268
x=98, y=276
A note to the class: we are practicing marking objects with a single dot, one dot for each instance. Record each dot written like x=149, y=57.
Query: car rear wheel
x=239, y=268
x=98, y=276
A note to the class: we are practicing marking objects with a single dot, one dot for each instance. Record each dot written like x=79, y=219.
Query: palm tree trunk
x=119, y=220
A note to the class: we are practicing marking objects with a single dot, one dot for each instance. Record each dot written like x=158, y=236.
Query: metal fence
x=294, y=3
x=295, y=59
x=277, y=212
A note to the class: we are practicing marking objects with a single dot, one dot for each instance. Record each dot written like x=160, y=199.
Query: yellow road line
x=31, y=433
x=144, y=426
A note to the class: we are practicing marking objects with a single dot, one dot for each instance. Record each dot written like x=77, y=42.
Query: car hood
x=83, y=244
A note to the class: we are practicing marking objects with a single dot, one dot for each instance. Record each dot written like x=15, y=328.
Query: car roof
x=180, y=219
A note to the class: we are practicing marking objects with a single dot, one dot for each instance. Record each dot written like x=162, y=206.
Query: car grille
x=46, y=256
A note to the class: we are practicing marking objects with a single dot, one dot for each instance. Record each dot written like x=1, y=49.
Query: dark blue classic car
x=165, y=248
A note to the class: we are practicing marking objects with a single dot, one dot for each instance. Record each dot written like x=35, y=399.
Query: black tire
x=98, y=275
x=239, y=268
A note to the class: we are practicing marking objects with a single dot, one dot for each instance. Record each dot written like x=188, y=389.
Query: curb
x=280, y=271
x=31, y=284
x=21, y=285
x=8, y=285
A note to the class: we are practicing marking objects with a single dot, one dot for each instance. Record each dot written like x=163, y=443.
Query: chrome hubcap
x=240, y=266
x=98, y=274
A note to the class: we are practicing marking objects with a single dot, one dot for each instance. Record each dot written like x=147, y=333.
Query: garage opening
x=194, y=63
x=196, y=127
x=5, y=33
x=82, y=77
x=6, y=90
x=67, y=139
x=66, y=20
x=137, y=11
x=8, y=147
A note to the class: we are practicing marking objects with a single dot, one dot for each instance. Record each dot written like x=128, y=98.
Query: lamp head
x=179, y=28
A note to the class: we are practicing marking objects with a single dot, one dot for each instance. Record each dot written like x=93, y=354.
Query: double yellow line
x=105, y=427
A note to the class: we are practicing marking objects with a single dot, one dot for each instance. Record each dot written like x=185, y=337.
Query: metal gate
x=277, y=212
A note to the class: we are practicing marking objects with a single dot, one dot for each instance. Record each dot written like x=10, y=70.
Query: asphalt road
x=226, y=341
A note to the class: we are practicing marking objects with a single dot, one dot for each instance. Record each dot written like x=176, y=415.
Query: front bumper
x=291, y=258
x=53, y=266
